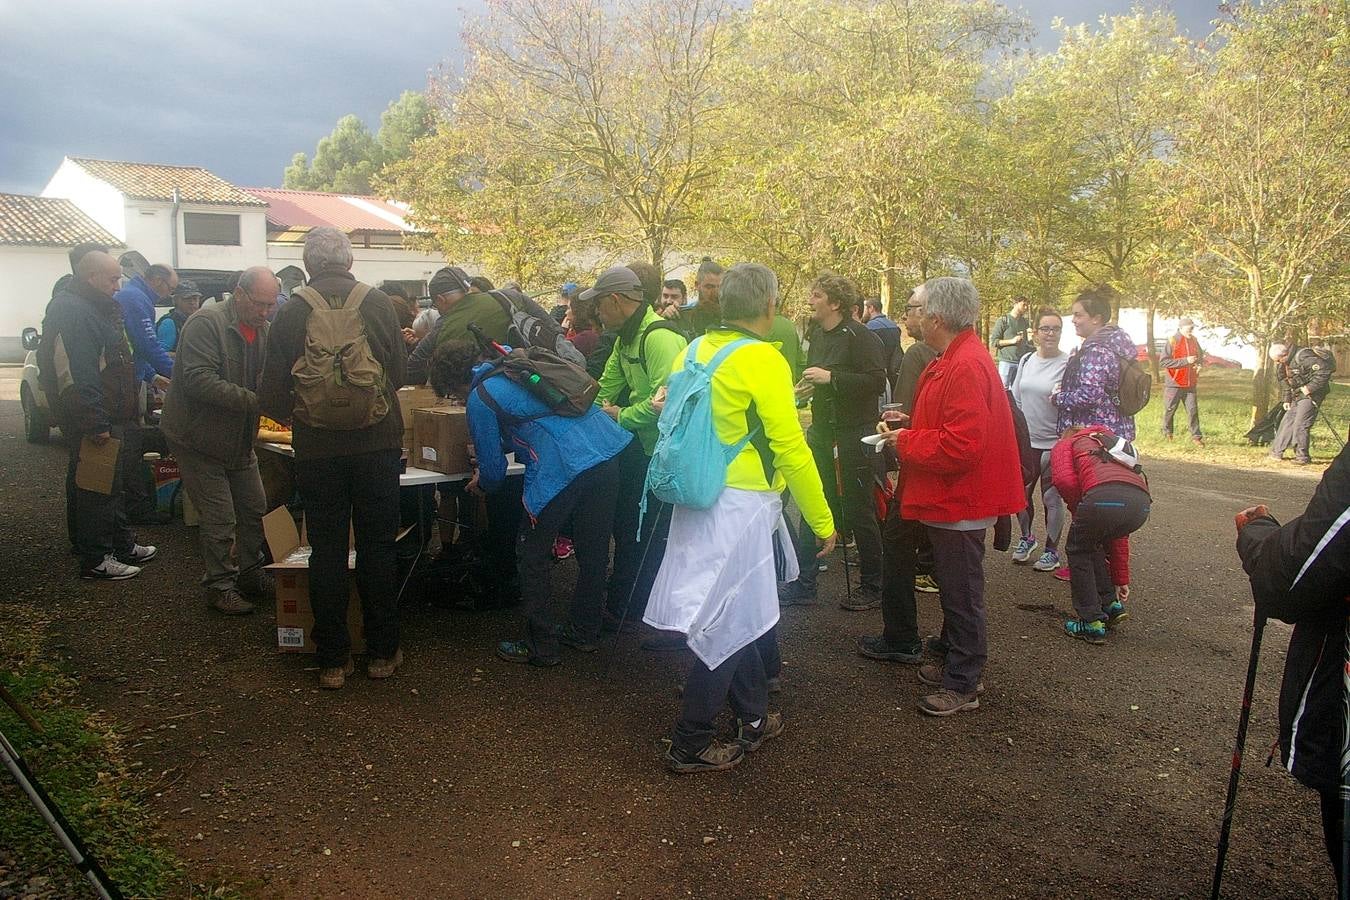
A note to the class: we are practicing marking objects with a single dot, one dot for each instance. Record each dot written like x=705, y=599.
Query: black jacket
x=1300, y=573
x=1306, y=366
x=84, y=361
x=853, y=355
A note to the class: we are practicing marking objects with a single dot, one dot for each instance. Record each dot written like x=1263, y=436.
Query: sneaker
x=934, y=645
x=1025, y=548
x=138, y=555
x=863, y=598
x=1092, y=632
x=332, y=678
x=257, y=584
x=380, y=667
x=794, y=593
x=822, y=567
x=1062, y=573
x=715, y=757
x=947, y=702
x=110, y=570
x=562, y=548
x=770, y=727
x=931, y=675
x=519, y=652
x=1048, y=562
x=568, y=637
x=925, y=584
x=665, y=640
x=230, y=602
x=874, y=646
x=1116, y=613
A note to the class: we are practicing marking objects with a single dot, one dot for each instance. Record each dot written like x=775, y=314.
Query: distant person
x=674, y=295
x=460, y=305
x=874, y=317
x=583, y=327
x=566, y=294
x=138, y=298
x=186, y=301
x=707, y=313
x=1304, y=375
x=1037, y=375
x=347, y=454
x=1181, y=363
x=404, y=307
x=1089, y=393
x=1009, y=340
x=89, y=377
x=210, y=422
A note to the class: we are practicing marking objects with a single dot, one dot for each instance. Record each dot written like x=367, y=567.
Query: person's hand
x=659, y=399
x=894, y=421
x=101, y=438
x=803, y=389
x=1122, y=592
x=1244, y=518
x=670, y=312
x=472, y=487
x=610, y=410
x=409, y=336
x=816, y=375
x=1192, y=360
x=160, y=382
x=1288, y=406
x=827, y=545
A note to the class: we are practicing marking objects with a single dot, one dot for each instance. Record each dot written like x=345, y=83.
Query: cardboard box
x=295, y=617
x=413, y=398
x=168, y=479
x=441, y=440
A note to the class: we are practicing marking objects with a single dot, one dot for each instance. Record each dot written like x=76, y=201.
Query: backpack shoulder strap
x=357, y=295
x=312, y=297
x=658, y=325
x=490, y=401
x=721, y=355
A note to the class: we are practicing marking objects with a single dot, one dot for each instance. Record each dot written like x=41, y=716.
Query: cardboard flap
x=280, y=534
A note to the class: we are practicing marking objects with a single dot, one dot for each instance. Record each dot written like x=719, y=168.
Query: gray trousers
x=958, y=569
x=1054, y=505
x=1296, y=430
x=231, y=504
x=1172, y=396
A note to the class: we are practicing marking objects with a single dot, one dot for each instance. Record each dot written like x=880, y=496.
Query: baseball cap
x=186, y=289
x=1185, y=320
x=447, y=280
x=615, y=280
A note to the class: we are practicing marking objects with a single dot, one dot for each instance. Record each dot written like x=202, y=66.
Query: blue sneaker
x=1092, y=632
x=1025, y=548
x=1048, y=562
x=1116, y=613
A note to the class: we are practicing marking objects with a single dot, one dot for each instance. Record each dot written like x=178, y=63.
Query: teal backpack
x=689, y=464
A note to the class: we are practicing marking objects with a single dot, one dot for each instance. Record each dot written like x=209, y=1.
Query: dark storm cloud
x=240, y=86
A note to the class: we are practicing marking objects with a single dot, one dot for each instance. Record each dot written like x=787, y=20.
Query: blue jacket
x=554, y=449
x=138, y=315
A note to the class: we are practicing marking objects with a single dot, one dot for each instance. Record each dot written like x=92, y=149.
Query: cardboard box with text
x=295, y=617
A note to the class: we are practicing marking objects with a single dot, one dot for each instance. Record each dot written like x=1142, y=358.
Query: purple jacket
x=1088, y=395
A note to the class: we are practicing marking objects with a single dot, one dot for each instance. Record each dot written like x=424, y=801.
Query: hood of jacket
x=1113, y=338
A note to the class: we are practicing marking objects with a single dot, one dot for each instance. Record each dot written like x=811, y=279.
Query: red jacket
x=1076, y=467
x=959, y=457
x=1174, y=360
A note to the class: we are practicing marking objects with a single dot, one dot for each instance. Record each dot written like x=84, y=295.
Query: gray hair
x=747, y=291
x=953, y=300
x=1278, y=349
x=326, y=247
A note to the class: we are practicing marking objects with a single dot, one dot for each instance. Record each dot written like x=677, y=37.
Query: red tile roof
x=311, y=209
x=152, y=181
x=47, y=222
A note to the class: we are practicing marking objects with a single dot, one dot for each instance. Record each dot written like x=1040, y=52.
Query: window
x=210, y=228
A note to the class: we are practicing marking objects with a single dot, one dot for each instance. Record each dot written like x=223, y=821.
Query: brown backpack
x=339, y=384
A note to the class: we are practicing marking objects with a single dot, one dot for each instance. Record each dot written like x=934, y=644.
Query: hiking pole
x=1326, y=420
x=628, y=602
x=1244, y=719
x=843, y=543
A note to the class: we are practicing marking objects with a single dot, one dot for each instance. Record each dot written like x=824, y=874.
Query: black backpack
x=532, y=326
x=563, y=386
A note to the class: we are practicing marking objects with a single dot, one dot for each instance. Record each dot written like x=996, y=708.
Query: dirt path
x=1087, y=771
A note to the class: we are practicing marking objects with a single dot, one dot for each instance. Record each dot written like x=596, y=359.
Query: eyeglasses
x=909, y=306
x=1050, y=329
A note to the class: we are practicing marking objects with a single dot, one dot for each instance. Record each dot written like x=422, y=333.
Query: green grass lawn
x=1225, y=417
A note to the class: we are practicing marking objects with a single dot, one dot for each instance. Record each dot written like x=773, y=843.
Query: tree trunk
x=1149, y=340
x=1261, y=382
x=888, y=281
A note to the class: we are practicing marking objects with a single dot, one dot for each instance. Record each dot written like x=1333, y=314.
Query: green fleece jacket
x=640, y=376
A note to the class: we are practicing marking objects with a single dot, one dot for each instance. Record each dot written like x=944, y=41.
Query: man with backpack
x=645, y=348
x=460, y=305
x=335, y=358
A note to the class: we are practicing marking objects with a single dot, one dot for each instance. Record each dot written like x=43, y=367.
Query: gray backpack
x=339, y=384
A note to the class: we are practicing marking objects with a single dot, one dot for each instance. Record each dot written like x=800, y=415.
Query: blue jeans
x=1007, y=371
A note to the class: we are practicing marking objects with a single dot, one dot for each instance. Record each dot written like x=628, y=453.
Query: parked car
x=37, y=418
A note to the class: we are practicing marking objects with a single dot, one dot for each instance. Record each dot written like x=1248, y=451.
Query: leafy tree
x=347, y=160
x=404, y=121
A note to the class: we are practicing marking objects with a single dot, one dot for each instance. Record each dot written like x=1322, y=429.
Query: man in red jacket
x=959, y=471
x=1181, y=363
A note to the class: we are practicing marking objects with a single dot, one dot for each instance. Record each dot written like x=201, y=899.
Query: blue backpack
x=689, y=464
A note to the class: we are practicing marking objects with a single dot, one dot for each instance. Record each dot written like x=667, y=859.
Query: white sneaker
x=1048, y=562
x=139, y=555
x=1025, y=548
x=111, y=570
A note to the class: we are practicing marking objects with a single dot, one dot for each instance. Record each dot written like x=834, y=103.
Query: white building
x=35, y=235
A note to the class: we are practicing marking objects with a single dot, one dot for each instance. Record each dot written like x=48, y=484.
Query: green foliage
x=347, y=160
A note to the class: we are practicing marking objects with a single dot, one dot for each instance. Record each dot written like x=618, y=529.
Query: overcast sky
x=240, y=86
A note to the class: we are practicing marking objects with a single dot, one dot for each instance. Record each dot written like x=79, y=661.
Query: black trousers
x=588, y=503
x=636, y=562
x=1332, y=823
x=97, y=522
x=900, y=542
x=855, y=512
x=742, y=680
x=346, y=494
x=1108, y=511
x=138, y=498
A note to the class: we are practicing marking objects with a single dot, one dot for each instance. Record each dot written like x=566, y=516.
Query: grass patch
x=1225, y=417
x=81, y=762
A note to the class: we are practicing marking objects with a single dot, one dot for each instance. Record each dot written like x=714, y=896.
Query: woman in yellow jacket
x=718, y=582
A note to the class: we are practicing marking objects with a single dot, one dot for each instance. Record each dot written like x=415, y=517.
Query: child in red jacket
x=1098, y=475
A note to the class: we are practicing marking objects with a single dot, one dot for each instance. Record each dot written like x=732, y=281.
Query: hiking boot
x=770, y=727
x=1048, y=562
x=519, y=652
x=864, y=597
x=1116, y=613
x=110, y=570
x=332, y=678
x=230, y=602
x=931, y=675
x=383, y=667
x=934, y=645
x=1092, y=632
x=925, y=584
x=874, y=646
x=138, y=555
x=1302, y=460
x=948, y=703
x=1026, y=547
x=568, y=637
x=1062, y=573
x=257, y=584
x=665, y=640
x=794, y=593
x=715, y=757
